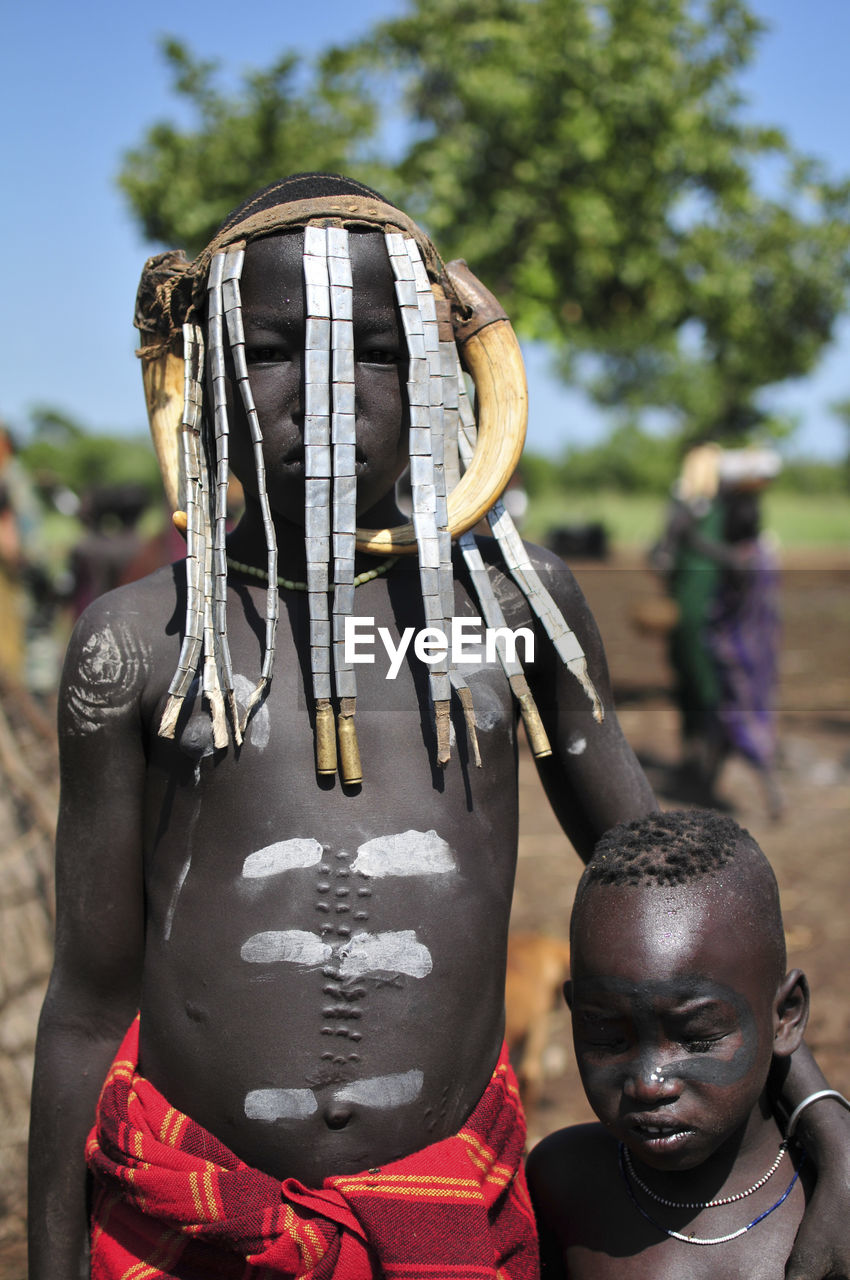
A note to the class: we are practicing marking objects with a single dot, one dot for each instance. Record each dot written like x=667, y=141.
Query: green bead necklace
x=289, y=585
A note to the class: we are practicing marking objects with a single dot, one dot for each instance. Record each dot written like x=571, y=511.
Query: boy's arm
x=592, y=779
x=545, y=1171
x=94, y=987
x=822, y=1247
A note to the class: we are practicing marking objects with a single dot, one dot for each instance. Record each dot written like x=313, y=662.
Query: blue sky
x=79, y=83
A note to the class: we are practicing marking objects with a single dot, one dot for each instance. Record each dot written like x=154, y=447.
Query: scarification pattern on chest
x=350, y=962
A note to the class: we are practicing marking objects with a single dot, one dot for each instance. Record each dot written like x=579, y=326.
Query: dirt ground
x=809, y=849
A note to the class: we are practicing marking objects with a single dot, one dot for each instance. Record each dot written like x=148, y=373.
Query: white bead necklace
x=704, y=1204
x=699, y=1240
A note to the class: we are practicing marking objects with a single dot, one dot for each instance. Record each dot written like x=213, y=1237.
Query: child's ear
x=568, y=994
x=790, y=1013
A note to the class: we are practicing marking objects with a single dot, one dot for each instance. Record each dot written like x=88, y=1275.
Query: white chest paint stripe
x=289, y=946
x=394, y=952
x=286, y=855
x=409, y=853
x=376, y=1092
x=397, y=952
x=382, y=1091
x=280, y=1104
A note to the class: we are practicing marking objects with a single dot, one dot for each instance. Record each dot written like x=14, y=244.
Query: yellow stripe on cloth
x=213, y=1207
x=162, y=1259
x=460, y=1192
x=368, y=1180
x=163, y=1128
x=306, y=1247
x=196, y=1194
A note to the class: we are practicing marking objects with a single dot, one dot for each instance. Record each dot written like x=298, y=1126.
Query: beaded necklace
x=703, y=1204
x=289, y=585
x=701, y=1240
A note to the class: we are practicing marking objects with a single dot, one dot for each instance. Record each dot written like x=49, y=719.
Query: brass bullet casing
x=537, y=736
x=325, y=739
x=350, y=767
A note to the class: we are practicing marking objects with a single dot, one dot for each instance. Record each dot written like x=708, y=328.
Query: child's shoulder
x=144, y=607
x=573, y=1167
x=567, y=1155
x=124, y=643
x=554, y=575
x=546, y=562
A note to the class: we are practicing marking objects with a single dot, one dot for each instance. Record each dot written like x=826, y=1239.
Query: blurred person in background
x=722, y=574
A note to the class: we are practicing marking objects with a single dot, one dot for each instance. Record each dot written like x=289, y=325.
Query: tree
x=60, y=450
x=181, y=183
x=589, y=159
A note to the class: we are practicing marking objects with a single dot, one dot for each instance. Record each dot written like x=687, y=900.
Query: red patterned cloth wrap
x=172, y=1201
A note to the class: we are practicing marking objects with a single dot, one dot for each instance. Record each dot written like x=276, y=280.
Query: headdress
x=460, y=461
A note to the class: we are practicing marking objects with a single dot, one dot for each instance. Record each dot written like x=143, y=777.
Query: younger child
x=680, y=1003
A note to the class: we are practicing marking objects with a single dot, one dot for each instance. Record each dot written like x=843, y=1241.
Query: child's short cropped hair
x=681, y=847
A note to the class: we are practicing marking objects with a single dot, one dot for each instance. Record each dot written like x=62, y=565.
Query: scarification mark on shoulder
x=112, y=662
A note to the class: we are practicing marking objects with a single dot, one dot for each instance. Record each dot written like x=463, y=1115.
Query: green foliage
x=61, y=452
x=587, y=157
x=808, y=520
x=181, y=183
x=589, y=160
x=636, y=519
x=630, y=460
x=806, y=476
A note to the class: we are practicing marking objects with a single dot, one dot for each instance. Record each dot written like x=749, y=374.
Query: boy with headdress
x=303, y=883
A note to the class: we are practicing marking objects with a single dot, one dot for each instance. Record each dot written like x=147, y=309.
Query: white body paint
x=577, y=746
x=291, y=946
x=172, y=906
x=488, y=708
x=396, y=952
x=280, y=1104
x=393, y=952
x=406, y=853
x=299, y=1104
x=383, y=1091
x=410, y=853
x=286, y=855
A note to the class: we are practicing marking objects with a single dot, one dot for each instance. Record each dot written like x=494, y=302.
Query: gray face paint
x=645, y=1025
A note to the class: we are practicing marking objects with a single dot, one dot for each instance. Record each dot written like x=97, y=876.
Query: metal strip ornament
x=232, y=300
x=318, y=471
